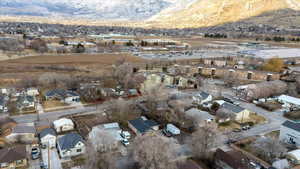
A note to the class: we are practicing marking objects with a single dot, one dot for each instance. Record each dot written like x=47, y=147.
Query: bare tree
x=121, y=110
x=153, y=151
x=269, y=148
x=119, y=72
x=53, y=79
x=203, y=140
x=155, y=96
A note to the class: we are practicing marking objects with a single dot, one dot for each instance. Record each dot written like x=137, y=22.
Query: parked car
x=125, y=135
x=43, y=166
x=35, y=153
x=246, y=127
x=228, y=100
x=166, y=133
x=236, y=130
x=172, y=129
x=125, y=142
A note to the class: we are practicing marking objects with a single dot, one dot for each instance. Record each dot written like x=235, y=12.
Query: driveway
x=54, y=158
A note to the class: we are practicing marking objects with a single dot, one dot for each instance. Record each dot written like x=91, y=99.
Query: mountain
x=205, y=13
x=153, y=13
x=90, y=9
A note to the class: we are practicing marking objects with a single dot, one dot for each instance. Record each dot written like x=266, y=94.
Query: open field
x=103, y=59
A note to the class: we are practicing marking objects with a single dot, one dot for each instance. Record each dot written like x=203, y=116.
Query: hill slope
x=204, y=13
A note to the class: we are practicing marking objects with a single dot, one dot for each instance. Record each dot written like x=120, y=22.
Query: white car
x=125, y=134
x=125, y=142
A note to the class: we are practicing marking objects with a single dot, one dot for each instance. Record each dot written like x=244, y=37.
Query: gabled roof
x=143, y=125
x=232, y=107
x=234, y=159
x=69, y=141
x=11, y=154
x=292, y=125
x=47, y=131
x=193, y=112
x=61, y=93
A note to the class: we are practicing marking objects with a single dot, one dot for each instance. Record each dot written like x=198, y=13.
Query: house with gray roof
x=25, y=102
x=290, y=132
x=241, y=114
x=48, y=137
x=70, y=145
x=142, y=125
x=202, y=97
x=201, y=116
x=63, y=95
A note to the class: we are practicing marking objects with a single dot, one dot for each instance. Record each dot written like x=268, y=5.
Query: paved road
x=52, y=115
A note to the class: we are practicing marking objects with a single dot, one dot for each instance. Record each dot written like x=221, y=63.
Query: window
x=78, y=150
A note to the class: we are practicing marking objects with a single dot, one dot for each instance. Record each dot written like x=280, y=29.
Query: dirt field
x=103, y=59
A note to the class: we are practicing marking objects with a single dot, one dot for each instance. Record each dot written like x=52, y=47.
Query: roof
x=232, y=107
x=204, y=95
x=11, y=154
x=193, y=112
x=69, y=141
x=234, y=159
x=24, y=98
x=289, y=99
x=143, y=125
x=295, y=154
x=61, y=93
x=189, y=164
x=47, y=131
x=292, y=125
x=63, y=121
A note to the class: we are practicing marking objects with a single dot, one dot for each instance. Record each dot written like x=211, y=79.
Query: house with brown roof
x=13, y=157
x=232, y=160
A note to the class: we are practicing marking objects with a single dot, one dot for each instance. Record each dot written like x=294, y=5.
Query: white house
x=294, y=156
x=110, y=129
x=48, y=137
x=202, y=97
x=290, y=132
x=32, y=92
x=62, y=125
x=289, y=102
x=70, y=145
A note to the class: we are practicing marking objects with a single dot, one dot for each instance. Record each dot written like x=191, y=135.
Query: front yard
x=53, y=104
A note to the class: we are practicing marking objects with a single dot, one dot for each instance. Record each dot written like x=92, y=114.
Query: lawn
x=270, y=106
x=53, y=104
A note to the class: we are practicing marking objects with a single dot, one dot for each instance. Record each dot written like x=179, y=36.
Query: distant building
x=202, y=97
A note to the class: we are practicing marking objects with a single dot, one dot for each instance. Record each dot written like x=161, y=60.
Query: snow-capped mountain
x=100, y=9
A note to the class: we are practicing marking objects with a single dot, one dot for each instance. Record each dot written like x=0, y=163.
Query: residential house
x=241, y=114
x=3, y=103
x=48, y=137
x=63, y=125
x=113, y=129
x=294, y=156
x=13, y=157
x=202, y=97
x=289, y=102
x=63, y=95
x=201, y=116
x=70, y=145
x=142, y=125
x=232, y=160
x=24, y=133
x=290, y=132
x=6, y=126
x=190, y=164
x=25, y=102
x=32, y=92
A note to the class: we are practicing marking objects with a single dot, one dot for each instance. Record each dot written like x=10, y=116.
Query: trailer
x=172, y=129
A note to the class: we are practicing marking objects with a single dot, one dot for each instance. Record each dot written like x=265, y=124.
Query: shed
x=63, y=125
